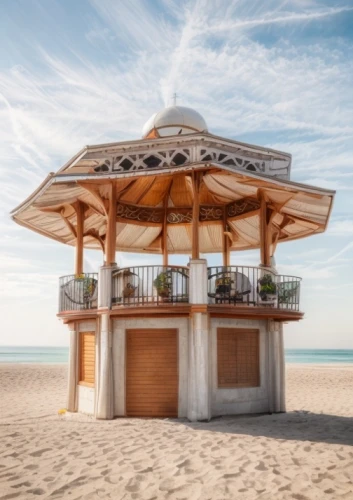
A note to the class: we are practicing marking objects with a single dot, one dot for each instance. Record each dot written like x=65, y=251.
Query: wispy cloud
x=273, y=73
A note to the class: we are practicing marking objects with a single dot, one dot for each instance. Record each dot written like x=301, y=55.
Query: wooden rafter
x=94, y=234
x=226, y=252
x=94, y=191
x=265, y=230
x=110, y=240
x=196, y=183
x=165, y=228
x=80, y=216
x=68, y=223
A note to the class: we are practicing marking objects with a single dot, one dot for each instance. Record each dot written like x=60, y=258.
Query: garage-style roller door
x=152, y=373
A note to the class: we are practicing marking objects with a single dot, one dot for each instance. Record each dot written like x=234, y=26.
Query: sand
x=306, y=453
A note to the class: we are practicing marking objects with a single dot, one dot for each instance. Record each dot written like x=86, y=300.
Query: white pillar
x=105, y=402
x=199, y=387
x=105, y=286
x=199, y=357
x=104, y=387
x=276, y=371
x=73, y=370
x=198, y=281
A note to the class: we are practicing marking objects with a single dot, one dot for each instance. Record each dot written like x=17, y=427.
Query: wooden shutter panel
x=238, y=357
x=152, y=373
x=87, y=358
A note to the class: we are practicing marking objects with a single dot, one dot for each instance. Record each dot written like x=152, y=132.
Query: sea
x=10, y=354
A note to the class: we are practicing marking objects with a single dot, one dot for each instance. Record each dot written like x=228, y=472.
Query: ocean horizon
x=53, y=355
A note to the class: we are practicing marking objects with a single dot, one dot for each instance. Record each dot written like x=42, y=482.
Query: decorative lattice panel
x=175, y=155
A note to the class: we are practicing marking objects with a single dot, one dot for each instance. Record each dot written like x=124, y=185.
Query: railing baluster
x=253, y=285
x=141, y=282
x=78, y=293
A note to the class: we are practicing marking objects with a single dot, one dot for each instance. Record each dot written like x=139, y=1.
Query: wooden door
x=152, y=373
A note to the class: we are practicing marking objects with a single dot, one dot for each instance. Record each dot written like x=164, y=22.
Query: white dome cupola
x=174, y=120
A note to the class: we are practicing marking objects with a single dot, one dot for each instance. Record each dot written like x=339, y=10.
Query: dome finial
x=174, y=120
x=175, y=97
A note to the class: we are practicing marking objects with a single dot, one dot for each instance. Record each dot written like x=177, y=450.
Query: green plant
x=267, y=286
x=162, y=284
x=224, y=281
x=223, y=285
x=89, y=285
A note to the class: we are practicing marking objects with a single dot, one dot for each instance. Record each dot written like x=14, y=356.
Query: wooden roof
x=228, y=204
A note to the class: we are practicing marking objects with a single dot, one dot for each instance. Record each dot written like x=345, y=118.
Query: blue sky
x=272, y=73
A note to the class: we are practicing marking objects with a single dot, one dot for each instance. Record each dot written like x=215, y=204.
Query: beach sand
x=306, y=453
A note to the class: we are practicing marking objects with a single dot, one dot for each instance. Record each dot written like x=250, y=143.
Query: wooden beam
x=226, y=252
x=79, y=238
x=265, y=231
x=164, y=236
x=94, y=191
x=110, y=241
x=196, y=182
x=164, y=240
x=94, y=234
x=68, y=223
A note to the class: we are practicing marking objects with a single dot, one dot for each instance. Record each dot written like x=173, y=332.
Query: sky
x=276, y=74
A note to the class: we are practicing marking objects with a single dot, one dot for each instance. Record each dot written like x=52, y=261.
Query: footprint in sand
x=25, y=483
x=39, y=453
x=31, y=466
x=36, y=491
x=261, y=467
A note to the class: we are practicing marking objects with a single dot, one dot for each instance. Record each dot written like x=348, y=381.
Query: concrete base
x=85, y=399
x=199, y=398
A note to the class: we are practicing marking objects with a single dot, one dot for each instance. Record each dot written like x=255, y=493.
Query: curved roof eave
x=195, y=166
x=73, y=178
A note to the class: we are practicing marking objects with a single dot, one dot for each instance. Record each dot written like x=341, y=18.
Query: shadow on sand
x=296, y=425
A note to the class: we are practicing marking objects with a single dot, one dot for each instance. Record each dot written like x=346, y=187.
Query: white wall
x=244, y=400
x=119, y=347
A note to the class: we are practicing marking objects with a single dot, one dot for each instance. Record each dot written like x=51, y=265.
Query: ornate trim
x=140, y=214
x=179, y=217
x=211, y=213
x=184, y=215
x=242, y=207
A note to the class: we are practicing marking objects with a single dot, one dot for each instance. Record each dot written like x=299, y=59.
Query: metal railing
x=144, y=285
x=77, y=293
x=253, y=286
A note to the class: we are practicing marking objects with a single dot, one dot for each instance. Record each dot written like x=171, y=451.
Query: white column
x=198, y=281
x=73, y=370
x=199, y=357
x=105, y=286
x=276, y=382
x=105, y=389
x=199, y=387
x=105, y=402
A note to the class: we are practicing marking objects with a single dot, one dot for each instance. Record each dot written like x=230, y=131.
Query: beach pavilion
x=176, y=341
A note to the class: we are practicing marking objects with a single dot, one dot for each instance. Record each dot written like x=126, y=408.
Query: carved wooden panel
x=141, y=214
x=242, y=207
x=183, y=215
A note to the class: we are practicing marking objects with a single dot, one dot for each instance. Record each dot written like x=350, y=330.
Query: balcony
x=242, y=290
x=150, y=285
x=78, y=293
x=253, y=286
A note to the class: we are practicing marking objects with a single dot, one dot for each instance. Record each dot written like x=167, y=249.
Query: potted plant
x=129, y=285
x=87, y=289
x=267, y=289
x=163, y=284
x=223, y=285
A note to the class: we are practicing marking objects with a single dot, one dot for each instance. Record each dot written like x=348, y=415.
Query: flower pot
x=164, y=293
